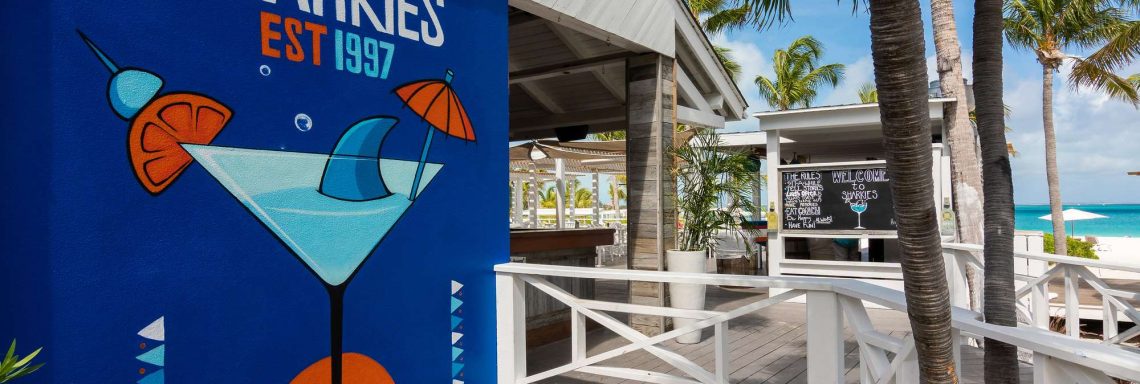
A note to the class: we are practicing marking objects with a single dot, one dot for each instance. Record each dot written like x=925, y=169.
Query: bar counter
x=548, y=320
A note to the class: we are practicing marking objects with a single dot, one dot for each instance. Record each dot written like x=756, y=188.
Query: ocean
x=1123, y=220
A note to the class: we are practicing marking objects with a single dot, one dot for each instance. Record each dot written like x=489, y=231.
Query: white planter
x=683, y=295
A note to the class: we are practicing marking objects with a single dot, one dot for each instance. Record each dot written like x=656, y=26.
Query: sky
x=1097, y=138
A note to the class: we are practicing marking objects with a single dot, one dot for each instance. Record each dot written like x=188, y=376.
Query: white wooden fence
x=1037, y=305
x=830, y=303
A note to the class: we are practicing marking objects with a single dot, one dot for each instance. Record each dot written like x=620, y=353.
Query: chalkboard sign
x=838, y=200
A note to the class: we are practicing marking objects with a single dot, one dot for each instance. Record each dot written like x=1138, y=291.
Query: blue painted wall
x=90, y=257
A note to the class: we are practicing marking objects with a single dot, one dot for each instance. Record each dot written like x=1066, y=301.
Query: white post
x=772, y=169
x=597, y=199
x=572, y=194
x=517, y=188
x=824, y=338
x=955, y=275
x=1040, y=368
x=1072, y=303
x=1039, y=299
x=577, y=335
x=560, y=190
x=510, y=310
x=722, y=356
x=533, y=174
x=1109, y=320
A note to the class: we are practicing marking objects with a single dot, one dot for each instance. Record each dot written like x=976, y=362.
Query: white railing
x=1035, y=303
x=830, y=303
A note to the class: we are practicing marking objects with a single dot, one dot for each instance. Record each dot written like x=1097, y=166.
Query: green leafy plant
x=13, y=367
x=1076, y=247
x=708, y=174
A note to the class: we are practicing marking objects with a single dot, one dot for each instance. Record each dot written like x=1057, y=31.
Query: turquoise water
x=331, y=236
x=1123, y=219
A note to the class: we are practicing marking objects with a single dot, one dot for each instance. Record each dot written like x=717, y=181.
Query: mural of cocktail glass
x=330, y=211
x=859, y=208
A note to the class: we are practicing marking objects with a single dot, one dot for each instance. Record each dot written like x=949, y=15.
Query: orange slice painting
x=357, y=369
x=156, y=135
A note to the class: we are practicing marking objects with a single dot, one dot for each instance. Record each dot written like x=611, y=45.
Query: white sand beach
x=1120, y=250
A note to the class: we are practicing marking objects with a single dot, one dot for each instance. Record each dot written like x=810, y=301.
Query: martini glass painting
x=859, y=208
x=331, y=235
x=330, y=210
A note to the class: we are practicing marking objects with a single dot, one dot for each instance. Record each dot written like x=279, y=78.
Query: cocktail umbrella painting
x=436, y=102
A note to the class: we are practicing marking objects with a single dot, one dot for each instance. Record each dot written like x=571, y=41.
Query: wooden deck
x=768, y=346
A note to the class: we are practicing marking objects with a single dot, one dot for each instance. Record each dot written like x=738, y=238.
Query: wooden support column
x=651, y=102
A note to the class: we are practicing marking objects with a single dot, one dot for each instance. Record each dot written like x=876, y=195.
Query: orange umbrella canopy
x=436, y=102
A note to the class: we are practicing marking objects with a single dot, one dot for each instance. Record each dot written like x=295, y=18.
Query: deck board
x=768, y=346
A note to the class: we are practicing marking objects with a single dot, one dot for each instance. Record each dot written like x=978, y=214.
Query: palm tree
x=965, y=174
x=617, y=193
x=609, y=136
x=868, y=93
x=900, y=76
x=1007, y=112
x=583, y=198
x=1049, y=28
x=798, y=75
x=1000, y=364
x=897, y=51
x=719, y=16
x=548, y=198
x=725, y=55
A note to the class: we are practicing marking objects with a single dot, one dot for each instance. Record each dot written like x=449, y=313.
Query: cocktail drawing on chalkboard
x=859, y=207
x=330, y=210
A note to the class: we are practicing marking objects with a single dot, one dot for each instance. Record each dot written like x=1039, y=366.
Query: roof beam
x=579, y=51
x=594, y=116
x=690, y=93
x=686, y=115
x=537, y=94
x=689, y=30
x=562, y=69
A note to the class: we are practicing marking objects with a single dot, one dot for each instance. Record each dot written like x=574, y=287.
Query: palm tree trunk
x=1000, y=358
x=1051, y=173
x=900, y=75
x=965, y=174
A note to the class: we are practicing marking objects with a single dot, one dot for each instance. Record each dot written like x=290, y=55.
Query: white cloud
x=752, y=63
x=1096, y=142
x=860, y=72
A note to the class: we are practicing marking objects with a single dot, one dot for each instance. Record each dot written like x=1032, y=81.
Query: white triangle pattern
x=156, y=330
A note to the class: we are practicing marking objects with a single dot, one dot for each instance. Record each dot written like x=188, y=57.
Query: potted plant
x=13, y=367
x=714, y=184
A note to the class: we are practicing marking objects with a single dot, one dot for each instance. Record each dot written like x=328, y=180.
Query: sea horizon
x=1123, y=219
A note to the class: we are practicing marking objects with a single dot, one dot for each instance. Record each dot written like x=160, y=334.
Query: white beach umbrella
x=1073, y=214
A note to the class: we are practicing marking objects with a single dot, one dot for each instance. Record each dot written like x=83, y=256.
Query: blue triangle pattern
x=156, y=356
x=455, y=321
x=455, y=303
x=156, y=377
x=456, y=368
x=455, y=352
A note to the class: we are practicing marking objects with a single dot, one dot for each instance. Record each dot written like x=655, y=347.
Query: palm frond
x=730, y=64
x=1086, y=74
x=766, y=13
x=1120, y=49
x=868, y=93
x=727, y=19
x=768, y=91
